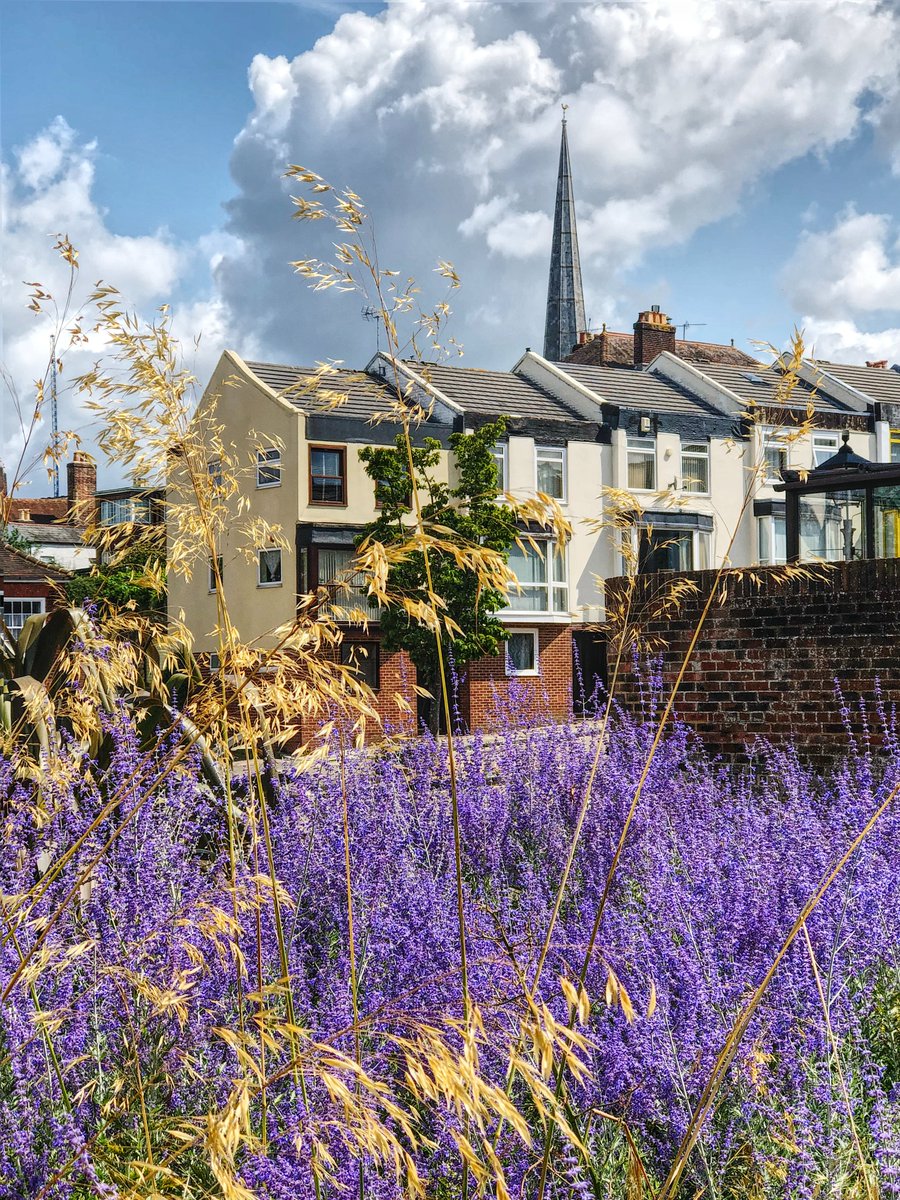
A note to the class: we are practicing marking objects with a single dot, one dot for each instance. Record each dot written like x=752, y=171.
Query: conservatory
x=846, y=508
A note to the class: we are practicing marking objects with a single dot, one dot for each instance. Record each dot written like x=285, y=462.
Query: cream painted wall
x=250, y=414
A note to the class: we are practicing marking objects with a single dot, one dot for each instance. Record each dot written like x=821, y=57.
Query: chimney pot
x=881, y=362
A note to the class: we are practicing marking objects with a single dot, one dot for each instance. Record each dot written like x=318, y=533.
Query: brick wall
x=767, y=658
x=397, y=678
x=652, y=335
x=548, y=695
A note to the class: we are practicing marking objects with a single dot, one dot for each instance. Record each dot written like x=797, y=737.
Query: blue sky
x=733, y=160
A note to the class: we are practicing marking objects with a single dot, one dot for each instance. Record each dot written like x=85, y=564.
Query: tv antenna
x=374, y=314
x=686, y=325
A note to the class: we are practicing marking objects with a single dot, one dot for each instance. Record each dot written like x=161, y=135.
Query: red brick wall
x=767, y=658
x=548, y=696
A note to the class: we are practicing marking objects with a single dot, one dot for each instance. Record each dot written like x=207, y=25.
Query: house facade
x=680, y=440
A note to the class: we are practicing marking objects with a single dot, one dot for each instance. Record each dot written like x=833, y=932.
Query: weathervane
x=565, y=109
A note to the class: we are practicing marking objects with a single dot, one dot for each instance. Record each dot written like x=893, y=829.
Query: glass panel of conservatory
x=833, y=526
x=887, y=521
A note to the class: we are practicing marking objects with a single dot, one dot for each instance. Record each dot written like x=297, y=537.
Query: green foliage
x=123, y=583
x=466, y=513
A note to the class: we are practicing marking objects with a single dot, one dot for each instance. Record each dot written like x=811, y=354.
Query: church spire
x=565, y=299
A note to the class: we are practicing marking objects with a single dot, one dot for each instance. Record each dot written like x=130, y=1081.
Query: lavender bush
x=129, y=1023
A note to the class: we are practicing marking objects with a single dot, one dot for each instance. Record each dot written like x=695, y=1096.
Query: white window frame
x=501, y=458
x=698, y=449
x=268, y=458
x=765, y=527
x=36, y=606
x=549, y=585
x=511, y=670
x=269, y=583
x=776, y=439
x=822, y=440
x=646, y=447
x=552, y=454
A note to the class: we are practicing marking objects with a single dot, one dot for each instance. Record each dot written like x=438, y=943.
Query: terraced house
x=681, y=438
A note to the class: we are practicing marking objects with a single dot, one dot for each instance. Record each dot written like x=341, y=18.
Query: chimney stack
x=81, y=477
x=652, y=334
x=881, y=362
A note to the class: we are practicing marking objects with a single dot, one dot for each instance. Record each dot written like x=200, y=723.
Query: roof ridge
x=30, y=558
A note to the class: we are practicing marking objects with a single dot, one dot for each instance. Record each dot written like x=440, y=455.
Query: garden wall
x=769, y=654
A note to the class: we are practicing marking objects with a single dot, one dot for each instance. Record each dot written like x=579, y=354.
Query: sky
x=735, y=161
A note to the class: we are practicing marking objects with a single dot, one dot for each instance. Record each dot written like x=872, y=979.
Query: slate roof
x=16, y=564
x=761, y=385
x=494, y=393
x=366, y=394
x=611, y=348
x=50, y=535
x=639, y=390
x=879, y=383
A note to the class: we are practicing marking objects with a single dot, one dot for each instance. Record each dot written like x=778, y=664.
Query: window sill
x=269, y=585
x=509, y=617
x=262, y=487
x=328, y=504
x=523, y=674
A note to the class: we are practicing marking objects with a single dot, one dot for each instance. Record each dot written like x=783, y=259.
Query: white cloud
x=48, y=189
x=843, y=341
x=854, y=267
x=445, y=118
x=843, y=277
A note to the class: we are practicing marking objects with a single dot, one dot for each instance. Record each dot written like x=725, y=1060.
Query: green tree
x=130, y=581
x=469, y=514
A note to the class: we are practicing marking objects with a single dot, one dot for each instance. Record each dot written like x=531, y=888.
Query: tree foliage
x=133, y=580
x=466, y=511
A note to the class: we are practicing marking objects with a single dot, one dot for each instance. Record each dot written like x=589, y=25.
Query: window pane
x=16, y=613
x=695, y=468
x=764, y=539
x=886, y=501
x=326, y=462
x=550, y=473
x=500, y=461
x=528, y=566
x=666, y=550
x=824, y=446
x=832, y=526
x=642, y=464
x=895, y=445
x=522, y=652
x=326, y=470
x=269, y=566
x=268, y=467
